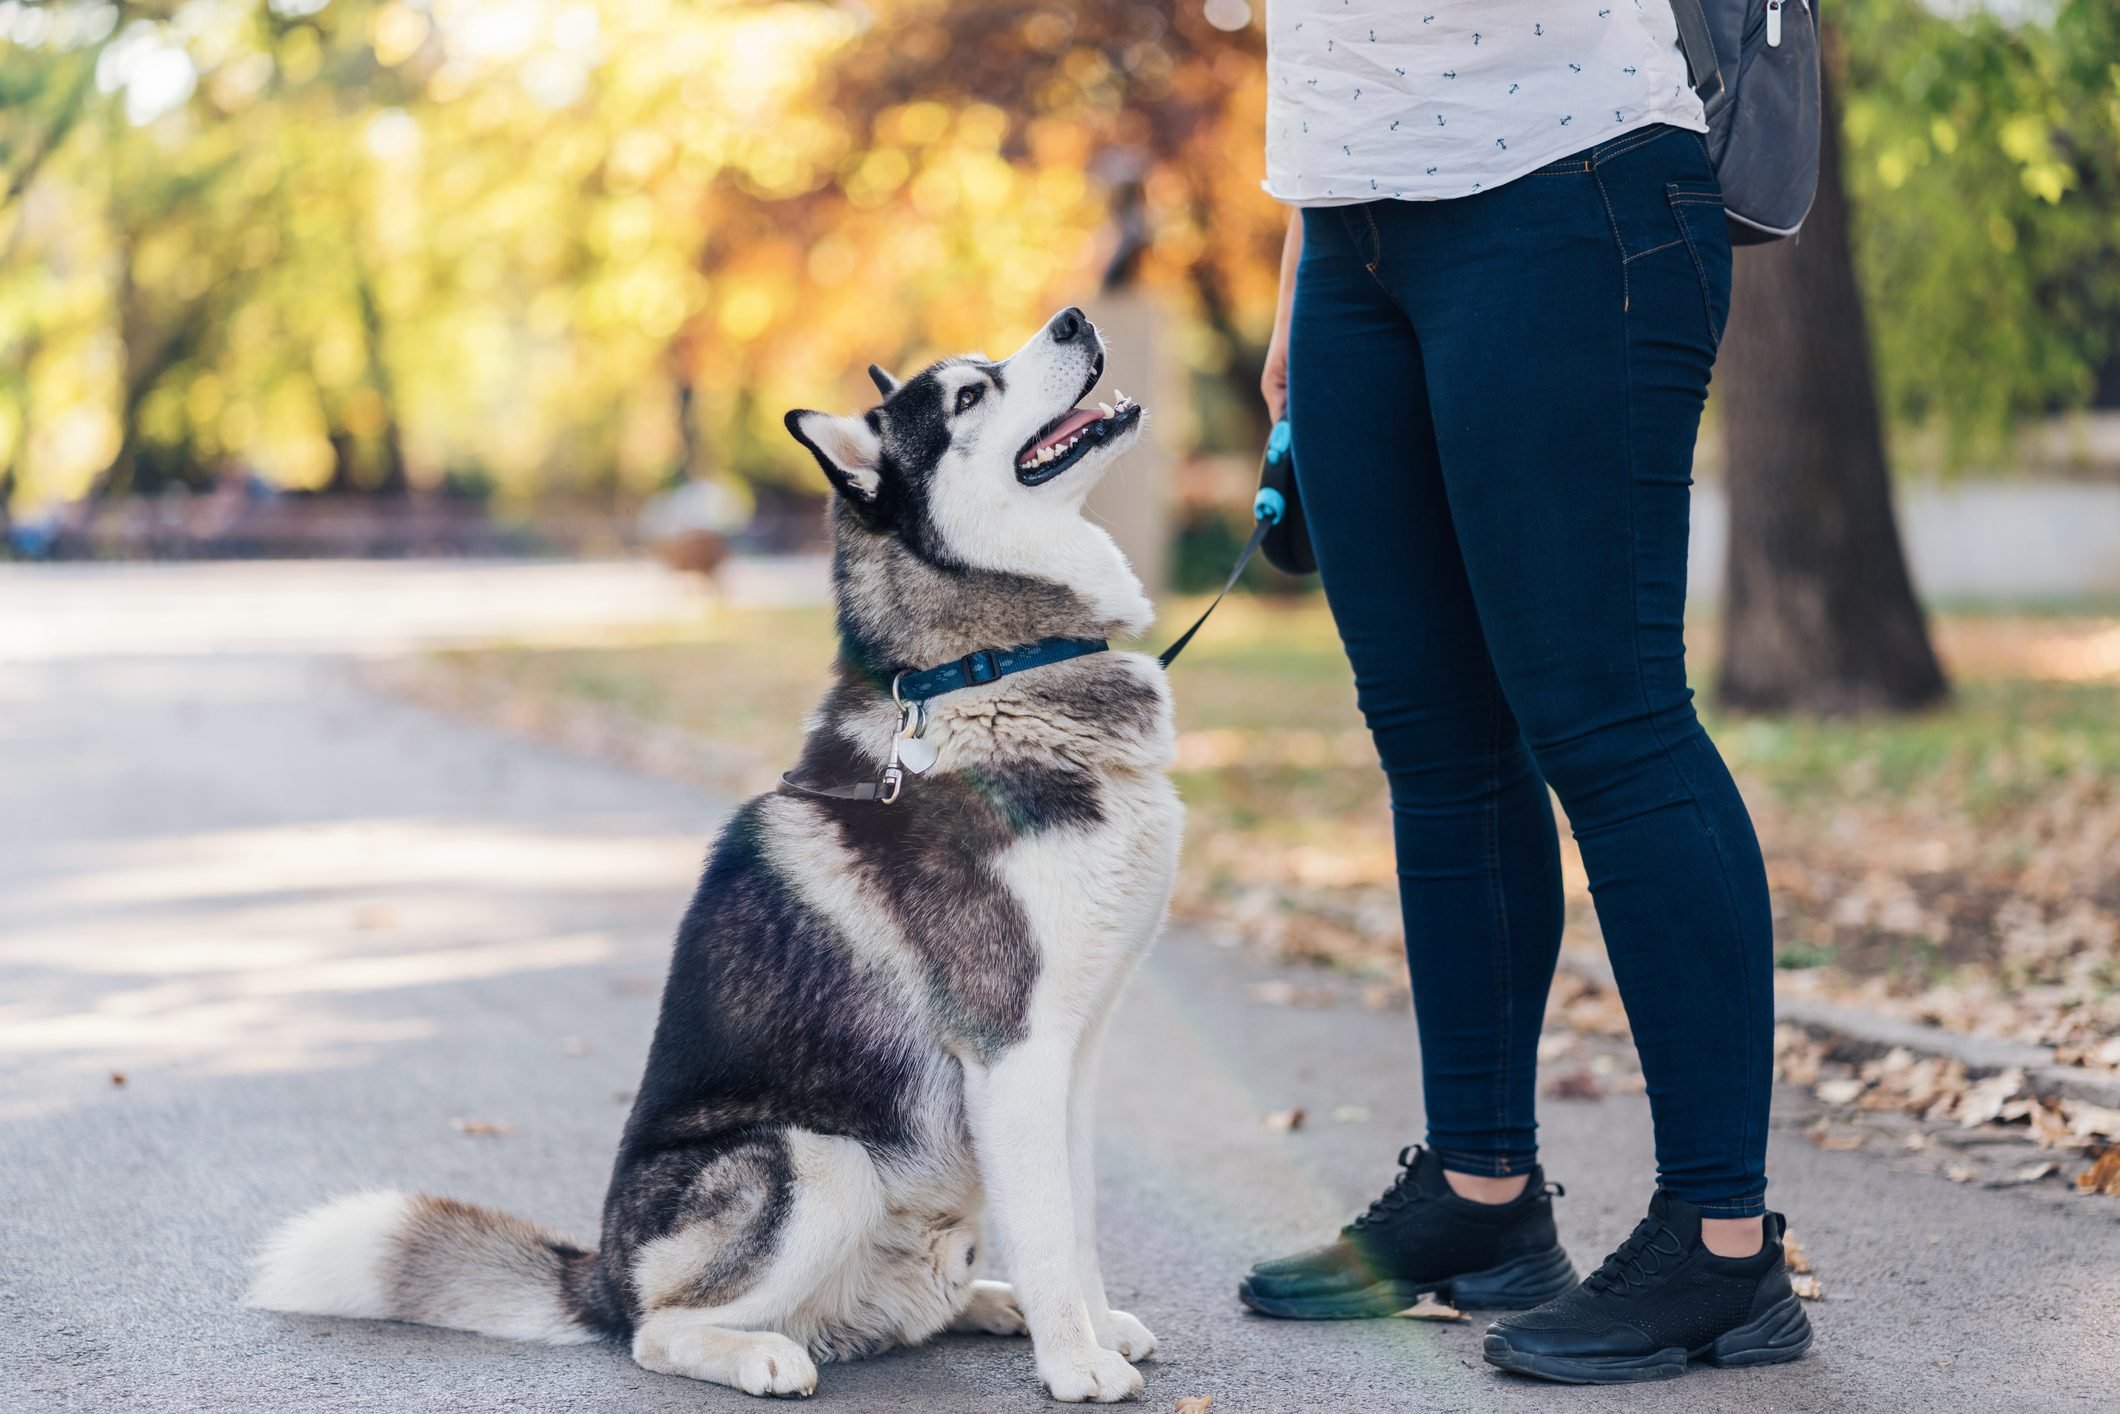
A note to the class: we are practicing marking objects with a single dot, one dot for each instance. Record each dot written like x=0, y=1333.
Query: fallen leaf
x=1840, y=1092
x=117, y=1077
x=1984, y=1100
x=1283, y=1121
x=1430, y=1309
x=1807, y=1288
x=2086, y=1120
x=2030, y=1173
x=1194, y=1404
x=1961, y=1173
x=1578, y=1084
x=1351, y=1114
x=482, y=1126
x=2103, y=1176
x=1821, y=1134
x=1792, y=1252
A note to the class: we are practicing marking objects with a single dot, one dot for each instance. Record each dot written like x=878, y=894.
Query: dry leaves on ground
x=1284, y=1121
x=1194, y=1404
x=491, y=1128
x=1807, y=1288
x=1942, y=1093
x=2103, y=1176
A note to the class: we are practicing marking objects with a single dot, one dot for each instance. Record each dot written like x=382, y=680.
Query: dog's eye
x=969, y=395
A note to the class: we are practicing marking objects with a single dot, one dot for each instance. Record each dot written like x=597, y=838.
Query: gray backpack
x=1754, y=64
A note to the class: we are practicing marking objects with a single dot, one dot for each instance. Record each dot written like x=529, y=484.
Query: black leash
x=1251, y=547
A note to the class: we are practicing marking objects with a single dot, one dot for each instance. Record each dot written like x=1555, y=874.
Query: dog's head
x=976, y=471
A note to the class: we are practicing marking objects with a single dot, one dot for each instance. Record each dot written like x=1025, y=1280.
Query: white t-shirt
x=1421, y=99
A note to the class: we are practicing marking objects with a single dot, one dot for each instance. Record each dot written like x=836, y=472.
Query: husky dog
x=880, y=1017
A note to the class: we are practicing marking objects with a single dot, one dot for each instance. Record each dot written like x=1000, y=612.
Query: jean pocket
x=1697, y=208
x=1361, y=224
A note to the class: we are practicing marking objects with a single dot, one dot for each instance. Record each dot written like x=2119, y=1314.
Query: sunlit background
x=554, y=252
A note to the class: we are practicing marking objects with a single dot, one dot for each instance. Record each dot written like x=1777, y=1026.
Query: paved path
x=310, y=928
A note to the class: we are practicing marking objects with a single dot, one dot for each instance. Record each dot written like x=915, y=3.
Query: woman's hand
x=1273, y=382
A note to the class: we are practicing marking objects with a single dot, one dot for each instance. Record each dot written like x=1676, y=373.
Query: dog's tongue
x=1071, y=424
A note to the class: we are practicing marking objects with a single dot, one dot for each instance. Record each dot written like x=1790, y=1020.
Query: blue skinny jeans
x=1494, y=402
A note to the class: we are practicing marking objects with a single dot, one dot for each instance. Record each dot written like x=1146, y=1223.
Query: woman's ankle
x=1479, y=1188
x=1733, y=1237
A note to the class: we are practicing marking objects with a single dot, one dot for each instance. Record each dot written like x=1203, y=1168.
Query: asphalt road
x=310, y=928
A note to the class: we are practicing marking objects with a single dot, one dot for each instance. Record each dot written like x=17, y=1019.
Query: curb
x=1980, y=1055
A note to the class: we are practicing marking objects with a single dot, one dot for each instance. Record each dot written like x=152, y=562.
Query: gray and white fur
x=881, y=1023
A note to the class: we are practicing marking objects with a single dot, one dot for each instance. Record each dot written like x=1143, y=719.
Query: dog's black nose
x=1068, y=324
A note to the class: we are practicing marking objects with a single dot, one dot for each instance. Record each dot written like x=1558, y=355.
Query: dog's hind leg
x=678, y=1341
x=756, y=1329
x=990, y=1310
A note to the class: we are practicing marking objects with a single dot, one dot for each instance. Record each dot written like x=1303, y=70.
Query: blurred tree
x=1818, y=610
x=1982, y=147
x=576, y=246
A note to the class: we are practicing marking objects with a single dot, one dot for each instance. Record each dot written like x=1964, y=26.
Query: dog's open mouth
x=1072, y=436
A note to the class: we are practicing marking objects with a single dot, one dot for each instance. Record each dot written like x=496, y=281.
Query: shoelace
x=1398, y=1195
x=1639, y=1258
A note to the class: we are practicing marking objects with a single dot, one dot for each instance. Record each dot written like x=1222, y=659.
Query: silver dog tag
x=912, y=749
x=916, y=754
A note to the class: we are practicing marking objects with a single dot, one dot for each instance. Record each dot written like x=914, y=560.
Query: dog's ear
x=885, y=383
x=846, y=447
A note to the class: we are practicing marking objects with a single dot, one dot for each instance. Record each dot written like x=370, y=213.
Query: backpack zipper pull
x=1774, y=23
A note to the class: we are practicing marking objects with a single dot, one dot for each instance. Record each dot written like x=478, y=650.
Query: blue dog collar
x=990, y=665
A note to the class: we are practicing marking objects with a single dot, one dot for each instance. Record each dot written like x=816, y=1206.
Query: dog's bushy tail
x=410, y=1257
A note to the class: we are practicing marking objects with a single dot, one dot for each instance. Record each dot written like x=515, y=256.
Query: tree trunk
x=1819, y=613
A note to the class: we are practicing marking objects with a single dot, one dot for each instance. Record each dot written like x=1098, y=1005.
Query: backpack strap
x=1698, y=42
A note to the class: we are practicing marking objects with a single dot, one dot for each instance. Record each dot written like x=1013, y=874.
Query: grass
x=1905, y=852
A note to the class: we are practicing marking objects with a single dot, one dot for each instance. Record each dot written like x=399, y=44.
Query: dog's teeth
x=1107, y=410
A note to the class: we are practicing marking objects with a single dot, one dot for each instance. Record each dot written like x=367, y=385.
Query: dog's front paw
x=1123, y=1333
x=1094, y=1374
x=773, y=1364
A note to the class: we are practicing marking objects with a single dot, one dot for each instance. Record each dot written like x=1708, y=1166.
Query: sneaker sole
x=1513, y=1286
x=1781, y=1334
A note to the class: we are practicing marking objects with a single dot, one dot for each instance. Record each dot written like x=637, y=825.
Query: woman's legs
x=1479, y=872
x=1569, y=322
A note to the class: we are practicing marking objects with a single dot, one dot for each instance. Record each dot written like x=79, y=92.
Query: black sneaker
x=1421, y=1238
x=1661, y=1300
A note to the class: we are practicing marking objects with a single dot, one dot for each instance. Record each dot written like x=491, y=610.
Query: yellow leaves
x=746, y=311
x=301, y=55
x=337, y=357
x=913, y=124
x=2027, y=139
x=878, y=174
x=396, y=31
